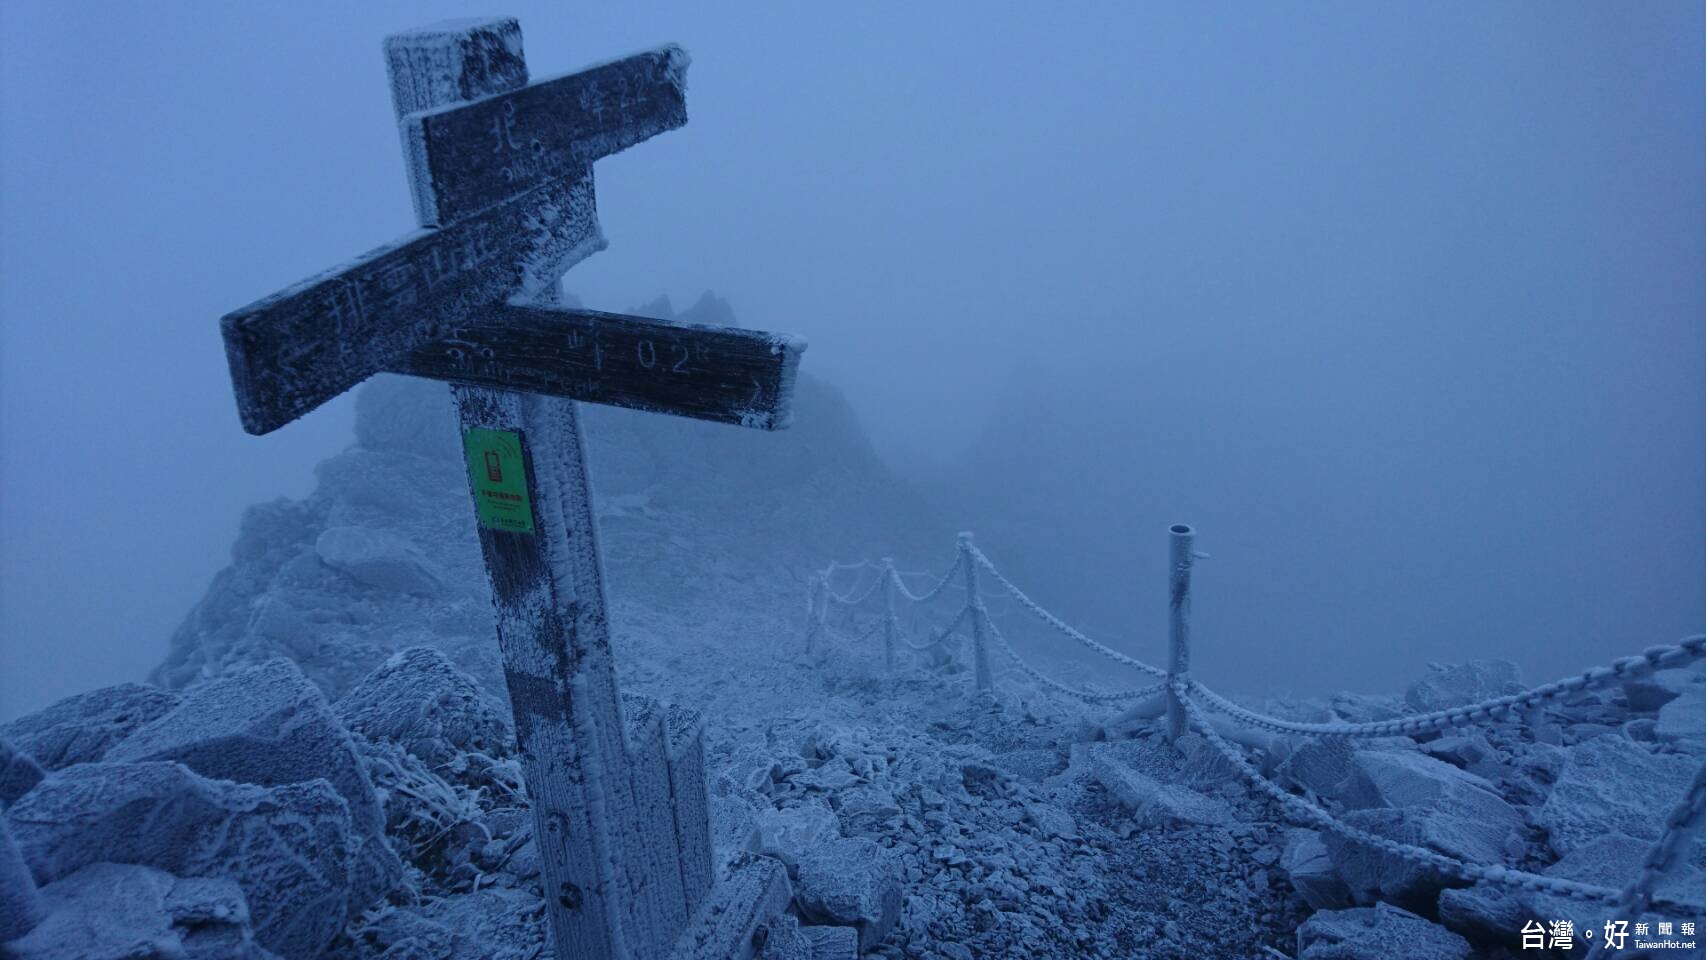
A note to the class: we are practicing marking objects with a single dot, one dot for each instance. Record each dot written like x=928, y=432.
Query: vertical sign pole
x=1181, y=555
x=889, y=624
x=979, y=649
x=547, y=587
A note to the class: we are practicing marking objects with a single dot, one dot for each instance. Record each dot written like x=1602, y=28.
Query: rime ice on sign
x=502, y=182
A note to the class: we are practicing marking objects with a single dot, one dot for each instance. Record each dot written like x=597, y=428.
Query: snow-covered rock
x=788, y=833
x=1683, y=718
x=1380, y=932
x=1458, y=684
x=1460, y=750
x=20, y=903
x=781, y=939
x=1319, y=765
x=1153, y=802
x=288, y=847
x=18, y=773
x=832, y=943
x=1311, y=871
x=82, y=728
x=422, y=702
x=850, y=882
x=1610, y=784
x=378, y=559
x=1483, y=913
x=113, y=911
x=269, y=725
x=1648, y=693
x=1416, y=799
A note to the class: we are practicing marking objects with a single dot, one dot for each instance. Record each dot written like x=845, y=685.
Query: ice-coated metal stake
x=979, y=650
x=1181, y=556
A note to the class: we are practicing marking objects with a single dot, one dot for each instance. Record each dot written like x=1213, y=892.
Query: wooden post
x=501, y=177
x=1180, y=558
x=979, y=648
x=890, y=626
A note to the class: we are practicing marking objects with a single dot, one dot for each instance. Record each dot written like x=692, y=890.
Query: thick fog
x=1403, y=307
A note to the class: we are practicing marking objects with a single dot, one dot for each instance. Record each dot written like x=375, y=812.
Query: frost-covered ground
x=358, y=802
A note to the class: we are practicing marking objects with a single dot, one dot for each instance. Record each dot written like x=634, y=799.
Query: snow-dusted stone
x=114, y=911
x=1380, y=932
x=269, y=725
x=1648, y=693
x=1319, y=765
x=1311, y=871
x=1155, y=803
x=1416, y=799
x=288, y=847
x=1611, y=861
x=851, y=882
x=1461, y=750
x=734, y=830
x=80, y=729
x=1458, y=684
x=832, y=943
x=781, y=939
x=1483, y=913
x=1683, y=718
x=1611, y=784
x=420, y=701
x=18, y=773
x=20, y=903
x=1051, y=820
x=788, y=833
x=379, y=559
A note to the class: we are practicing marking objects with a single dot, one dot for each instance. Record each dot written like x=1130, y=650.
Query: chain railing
x=1189, y=705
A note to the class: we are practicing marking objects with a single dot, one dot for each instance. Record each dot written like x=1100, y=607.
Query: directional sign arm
x=723, y=374
x=466, y=157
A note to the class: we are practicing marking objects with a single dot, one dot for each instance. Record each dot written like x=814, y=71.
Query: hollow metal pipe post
x=979, y=648
x=814, y=619
x=1181, y=556
x=889, y=624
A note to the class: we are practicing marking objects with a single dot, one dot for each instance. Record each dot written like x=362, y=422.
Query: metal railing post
x=1180, y=558
x=889, y=624
x=979, y=649
x=814, y=620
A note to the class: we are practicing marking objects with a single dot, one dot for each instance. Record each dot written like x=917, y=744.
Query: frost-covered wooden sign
x=502, y=183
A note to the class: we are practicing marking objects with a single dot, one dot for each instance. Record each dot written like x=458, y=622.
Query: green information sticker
x=499, y=475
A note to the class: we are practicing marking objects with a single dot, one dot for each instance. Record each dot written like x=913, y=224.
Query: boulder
x=269, y=725
x=122, y=911
x=1415, y=799
x=1612, y=860
x=1610, y=784
x=422, y=702
x=851, y=882
x=1648, y=693
x=379, y=559
x=832, y=943
x=80, y=729
x=1683, y=718
x=1460, y=750
x=788, y=833
x=1319, y=765
x=18, y=773
x=1459, y=684
x=1380, y=932
x=781, y=939
x=1484, y=913
x=1311, y=872
x=20, y=903
x=1051, y=820
x=1154, y=803
x=288, y=847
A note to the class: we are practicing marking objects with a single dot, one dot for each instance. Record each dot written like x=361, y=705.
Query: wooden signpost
x=502, y=183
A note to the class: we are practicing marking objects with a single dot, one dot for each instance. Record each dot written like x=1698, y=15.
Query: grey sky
x=1376, y=266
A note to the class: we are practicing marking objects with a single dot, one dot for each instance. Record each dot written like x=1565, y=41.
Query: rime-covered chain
x=934, y=591
x=1660, y=657
x=1056, y=622
x=1469, y=872
x=1084, y=695
x=1684, y=820
x=851, y=601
